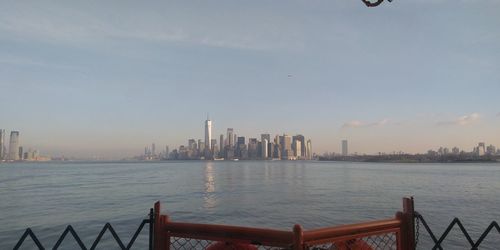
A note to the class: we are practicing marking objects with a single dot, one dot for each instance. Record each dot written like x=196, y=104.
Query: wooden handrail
x=352, y=229
x=224, y=232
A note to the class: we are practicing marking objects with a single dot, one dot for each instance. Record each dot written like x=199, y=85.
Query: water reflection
x=209, y=196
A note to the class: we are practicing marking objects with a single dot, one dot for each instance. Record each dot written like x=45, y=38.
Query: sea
x=47, y=197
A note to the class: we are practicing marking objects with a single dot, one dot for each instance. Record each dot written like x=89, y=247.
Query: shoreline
x=450, y=161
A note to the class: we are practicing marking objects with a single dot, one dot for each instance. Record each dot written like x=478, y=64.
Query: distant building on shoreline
x=2, y=144
x=14, y=146
x=208, y=138
x=309, y=154
x=345, y=151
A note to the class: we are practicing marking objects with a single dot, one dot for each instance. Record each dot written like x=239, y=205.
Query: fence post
x=409, y=223
x=400, y=241
x=298, y=237
x=166, y=235
x=157, y=227
x=151, y=228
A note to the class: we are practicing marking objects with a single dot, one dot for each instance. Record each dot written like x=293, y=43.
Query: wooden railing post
x=401, y=233
x=166, y=235
x=408, y=228
x=157, y=227
x=298, y=237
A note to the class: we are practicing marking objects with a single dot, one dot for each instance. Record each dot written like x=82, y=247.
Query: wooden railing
x=357, y=235
x=395, y=233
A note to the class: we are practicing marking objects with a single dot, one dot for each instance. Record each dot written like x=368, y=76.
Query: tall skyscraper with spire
x=208, y=138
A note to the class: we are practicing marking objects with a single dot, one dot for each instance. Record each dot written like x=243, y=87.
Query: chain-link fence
x=374, y=242
x=178, y=243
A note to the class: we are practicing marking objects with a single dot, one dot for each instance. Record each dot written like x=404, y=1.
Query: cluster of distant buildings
x=234, y=147
x=15, y=152
x=280, y=147
x=480, y=150
x=480, y=153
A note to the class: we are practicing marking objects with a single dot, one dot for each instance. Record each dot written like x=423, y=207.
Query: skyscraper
x=214, y=152
x=230, y=137
x=265, y=139
x=264, y=148
x=201, y=147
x=14, y=146
x=213, y=144
x=208, y=134
x=345, y=152
x=2, y=141
x=481, y=149
x=208, y=151
x=192, y=145
x=265, y=136
x=297, y=148
x=491, y=150
x=241, y=147
x=221, y=145
x=302, y=140
x=309, y=150
x=286, y=147
x=241, y=141
x=252, y=148
x=20, y=153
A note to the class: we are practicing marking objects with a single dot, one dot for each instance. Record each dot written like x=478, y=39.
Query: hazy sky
x=106, y=78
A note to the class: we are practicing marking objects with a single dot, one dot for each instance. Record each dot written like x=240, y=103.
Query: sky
x=107, y=78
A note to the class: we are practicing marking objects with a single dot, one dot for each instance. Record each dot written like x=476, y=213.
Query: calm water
x=275, y=194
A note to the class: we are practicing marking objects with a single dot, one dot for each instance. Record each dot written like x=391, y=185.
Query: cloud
x=13, y=60
x=360, y=124
x=67, y=24
x=498, y=115
x=353, y=124
x=382, y=122
x=462, y=120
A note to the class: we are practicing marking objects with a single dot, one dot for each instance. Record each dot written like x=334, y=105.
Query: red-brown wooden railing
x=395, y=233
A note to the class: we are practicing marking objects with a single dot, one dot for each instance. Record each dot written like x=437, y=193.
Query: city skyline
x=14, y=150
x=399, y=77
x=235, y=147
x=336, y=147
x=267, y=150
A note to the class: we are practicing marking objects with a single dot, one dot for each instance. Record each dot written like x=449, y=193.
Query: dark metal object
x=456, y=221
x=417, y=232
x=373, y=4
x=69, y=229
x=151, y=228
x=33, y=237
